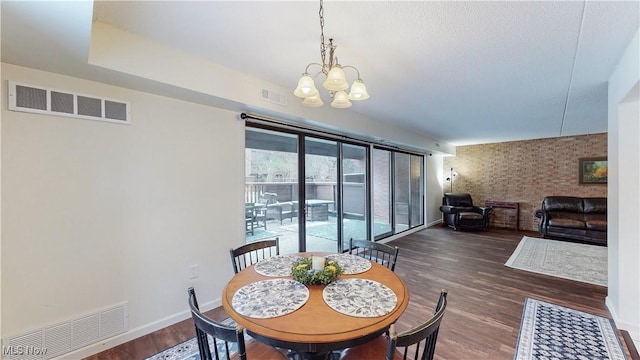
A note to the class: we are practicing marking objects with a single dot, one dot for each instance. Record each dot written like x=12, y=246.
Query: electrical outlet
x=194, y=271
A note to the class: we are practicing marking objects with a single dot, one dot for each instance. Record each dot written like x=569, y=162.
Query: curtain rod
x=293, y=125
x=270, y=120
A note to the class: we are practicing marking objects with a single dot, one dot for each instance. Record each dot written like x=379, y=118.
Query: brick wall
x=524, y=172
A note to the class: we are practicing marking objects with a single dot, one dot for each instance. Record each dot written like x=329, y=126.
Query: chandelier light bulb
x=358, y=91
x=306, y=87
x=313, y=101
x=336, y=80
x=341, y=100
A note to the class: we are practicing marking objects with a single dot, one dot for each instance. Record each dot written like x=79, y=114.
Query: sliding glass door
x=315, y=192
x=336, y=195
x=271, y=187
x=401, y=191
x=381, y=198
x=355, y=193
x=416, y=197
x=321, y=200
x=398, y=192
x=408, y=191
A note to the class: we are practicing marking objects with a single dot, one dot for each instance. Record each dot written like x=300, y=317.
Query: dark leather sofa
x=460, y=213
x=583, y=219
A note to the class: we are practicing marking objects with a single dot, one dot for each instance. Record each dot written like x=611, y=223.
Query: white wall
x=1, y=213
x=434, y=180
x=623, y=191
x=96, y=213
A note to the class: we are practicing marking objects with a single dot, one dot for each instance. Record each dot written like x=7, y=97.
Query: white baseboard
x=136, y=333
x=633, y=329
x=433, y=223
x=402, y=234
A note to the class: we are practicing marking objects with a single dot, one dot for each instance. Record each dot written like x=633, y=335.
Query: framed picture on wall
x=593, y=170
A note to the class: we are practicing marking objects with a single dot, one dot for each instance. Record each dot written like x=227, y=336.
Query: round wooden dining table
x=315, y=330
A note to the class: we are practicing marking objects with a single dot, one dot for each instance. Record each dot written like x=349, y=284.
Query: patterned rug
x=188, y=350
x=568, y=260
x=549, y=331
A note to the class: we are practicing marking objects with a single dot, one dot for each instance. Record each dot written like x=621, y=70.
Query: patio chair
x=381, y=253
x=249, y=254
x=275, y=210
x=265, y=203
x=267, y=198
x=420, y=340
x=225, y=334
x=282, y=210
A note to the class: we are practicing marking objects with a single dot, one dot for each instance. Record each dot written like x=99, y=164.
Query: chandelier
x=335, y=80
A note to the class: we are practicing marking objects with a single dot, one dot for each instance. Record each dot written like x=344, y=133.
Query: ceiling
x=462, y=72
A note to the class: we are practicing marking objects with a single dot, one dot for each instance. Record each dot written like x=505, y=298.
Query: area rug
x=549, y=331
x=188, y=350
x=568, y=260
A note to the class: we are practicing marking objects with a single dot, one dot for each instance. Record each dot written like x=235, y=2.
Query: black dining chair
x=226, y=334
x=419, y=341
x=381, y=253
x=249, y=254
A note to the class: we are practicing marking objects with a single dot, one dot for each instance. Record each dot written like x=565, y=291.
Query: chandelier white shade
x=358, y=91
x=306, y=87
x=313, y=101
x=335, y=82
x=341, y=100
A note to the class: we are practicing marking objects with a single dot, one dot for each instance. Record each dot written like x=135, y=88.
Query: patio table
x=315, y=320
x=316, y=209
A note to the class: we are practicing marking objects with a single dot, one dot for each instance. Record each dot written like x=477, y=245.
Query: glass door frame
x=302, y=133
x=339, y=185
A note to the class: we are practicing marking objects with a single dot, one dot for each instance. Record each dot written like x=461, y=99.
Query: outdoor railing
x=354, y=193
x=286, y=191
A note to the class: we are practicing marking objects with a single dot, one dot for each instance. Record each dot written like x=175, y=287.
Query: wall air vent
x=42, y=100
x=274, y=97
x=61, y=338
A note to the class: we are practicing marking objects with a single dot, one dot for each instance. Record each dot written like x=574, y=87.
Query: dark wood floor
x=485, y=297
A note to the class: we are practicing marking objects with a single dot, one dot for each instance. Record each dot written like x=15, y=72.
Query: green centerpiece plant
x=302, y=271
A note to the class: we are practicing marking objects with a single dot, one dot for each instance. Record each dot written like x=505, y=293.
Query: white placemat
x=270, y=298
x=351, y=264
x=276, y=265
x=359, y=297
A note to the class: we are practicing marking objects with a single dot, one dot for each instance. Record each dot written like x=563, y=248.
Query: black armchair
x=459, y=212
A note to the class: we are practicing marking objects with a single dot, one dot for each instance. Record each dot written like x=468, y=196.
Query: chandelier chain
x=323, y=47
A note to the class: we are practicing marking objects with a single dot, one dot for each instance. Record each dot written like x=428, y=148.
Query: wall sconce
x=450, y=179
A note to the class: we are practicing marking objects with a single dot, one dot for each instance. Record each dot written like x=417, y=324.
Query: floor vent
x=274, y=97
x=59, y=339
x=41, y=100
